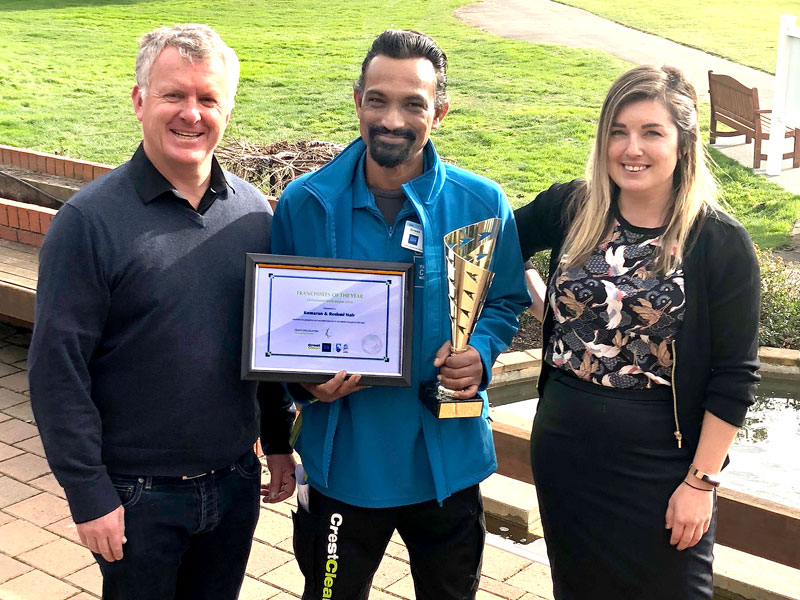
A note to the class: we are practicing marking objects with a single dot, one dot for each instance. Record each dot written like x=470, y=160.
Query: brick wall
x=27, y=223
x=24, y=223
x=52, y=164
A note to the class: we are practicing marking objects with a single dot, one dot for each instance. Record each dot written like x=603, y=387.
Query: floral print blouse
x=614, y=318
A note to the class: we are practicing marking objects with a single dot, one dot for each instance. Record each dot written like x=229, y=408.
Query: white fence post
x=786, y=103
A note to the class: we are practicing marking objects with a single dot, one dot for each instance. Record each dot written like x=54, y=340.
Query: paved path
x=546, y=22
x=40, y=554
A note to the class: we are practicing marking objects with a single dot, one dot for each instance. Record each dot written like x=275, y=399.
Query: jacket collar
x=347, y=170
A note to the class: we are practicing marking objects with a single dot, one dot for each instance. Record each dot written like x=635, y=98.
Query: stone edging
x=779, y=361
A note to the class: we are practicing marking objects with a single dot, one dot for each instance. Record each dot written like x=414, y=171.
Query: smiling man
x=377, y=460
x=134, y=361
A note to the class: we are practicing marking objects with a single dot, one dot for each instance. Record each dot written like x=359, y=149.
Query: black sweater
x=716, y=349
x=135, y=358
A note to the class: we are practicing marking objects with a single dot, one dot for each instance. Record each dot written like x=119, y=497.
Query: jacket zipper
x=546, y=307
x=677, y=433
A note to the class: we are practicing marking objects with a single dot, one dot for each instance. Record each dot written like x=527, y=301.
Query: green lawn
x=521, y=114
x=744, y=31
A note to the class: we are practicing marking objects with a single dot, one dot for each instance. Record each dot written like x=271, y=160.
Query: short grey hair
x=194, y=42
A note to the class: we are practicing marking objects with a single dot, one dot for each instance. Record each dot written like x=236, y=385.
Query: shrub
x=541, y=260
x=780, y=302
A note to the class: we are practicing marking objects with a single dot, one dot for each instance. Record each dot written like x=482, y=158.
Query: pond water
x=764, y=457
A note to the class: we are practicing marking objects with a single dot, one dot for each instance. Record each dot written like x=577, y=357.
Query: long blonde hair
x=694, y=188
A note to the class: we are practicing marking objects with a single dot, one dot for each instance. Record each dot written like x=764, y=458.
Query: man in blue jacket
x=377, y=460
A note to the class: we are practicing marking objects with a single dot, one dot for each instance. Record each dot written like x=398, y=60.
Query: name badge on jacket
x=412, y=237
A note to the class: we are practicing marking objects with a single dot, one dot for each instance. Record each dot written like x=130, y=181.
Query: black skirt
x=605, y=463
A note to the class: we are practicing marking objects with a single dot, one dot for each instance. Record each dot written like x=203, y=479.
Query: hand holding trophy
x=468, y=253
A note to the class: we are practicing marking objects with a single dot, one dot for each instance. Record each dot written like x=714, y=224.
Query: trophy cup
x=468, y=253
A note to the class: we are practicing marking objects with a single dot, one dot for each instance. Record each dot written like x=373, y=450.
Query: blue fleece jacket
x=380, y=447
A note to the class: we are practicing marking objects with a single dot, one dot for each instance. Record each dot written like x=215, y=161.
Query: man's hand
x=281, y=478
x=337, y=386
x=105, y=535
x=461, y=372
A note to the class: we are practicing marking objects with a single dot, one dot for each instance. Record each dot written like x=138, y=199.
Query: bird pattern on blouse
x=614, y=318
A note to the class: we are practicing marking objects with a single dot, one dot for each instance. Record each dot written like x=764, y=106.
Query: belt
x=211, y=472
x=175, y=478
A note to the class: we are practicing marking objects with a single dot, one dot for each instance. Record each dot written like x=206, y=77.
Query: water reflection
x=764, y=456
x=774, y=396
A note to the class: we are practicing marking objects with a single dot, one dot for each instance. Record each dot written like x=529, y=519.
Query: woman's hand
x=692, y=503
x=689, y=514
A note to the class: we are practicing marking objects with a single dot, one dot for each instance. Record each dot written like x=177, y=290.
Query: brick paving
x=40, y=554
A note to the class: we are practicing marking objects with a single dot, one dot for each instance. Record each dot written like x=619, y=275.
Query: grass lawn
x=521, y=114
x=744, y=31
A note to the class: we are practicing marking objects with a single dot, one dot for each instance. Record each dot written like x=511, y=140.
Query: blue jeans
x=187, y=539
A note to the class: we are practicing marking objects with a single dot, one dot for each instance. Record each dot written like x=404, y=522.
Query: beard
x=390, y=155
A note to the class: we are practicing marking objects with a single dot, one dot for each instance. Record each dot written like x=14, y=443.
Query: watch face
x=706, y=477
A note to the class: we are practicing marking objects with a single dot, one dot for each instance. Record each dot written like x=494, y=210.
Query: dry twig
x=272, y=167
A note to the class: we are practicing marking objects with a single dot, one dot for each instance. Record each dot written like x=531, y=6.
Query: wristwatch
x=709, y=479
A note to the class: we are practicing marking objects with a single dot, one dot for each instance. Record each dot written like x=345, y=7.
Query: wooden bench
x=18, y=275
x=736, y=106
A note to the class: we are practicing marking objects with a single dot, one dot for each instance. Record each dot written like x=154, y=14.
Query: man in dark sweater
x=134, y=362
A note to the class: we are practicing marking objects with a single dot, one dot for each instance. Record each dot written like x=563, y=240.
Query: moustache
x=377, y=130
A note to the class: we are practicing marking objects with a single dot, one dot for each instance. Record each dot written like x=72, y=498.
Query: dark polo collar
x=151, y=184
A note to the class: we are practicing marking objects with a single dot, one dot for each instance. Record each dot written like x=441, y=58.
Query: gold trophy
x=468, y=253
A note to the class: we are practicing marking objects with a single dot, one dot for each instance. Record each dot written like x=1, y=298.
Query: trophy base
x=444, y=406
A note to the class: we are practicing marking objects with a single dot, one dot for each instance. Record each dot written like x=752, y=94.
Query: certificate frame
x=276, y=357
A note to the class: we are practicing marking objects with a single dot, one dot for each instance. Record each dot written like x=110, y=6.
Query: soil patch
x=529, y=335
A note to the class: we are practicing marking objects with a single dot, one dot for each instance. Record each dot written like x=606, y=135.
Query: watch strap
x=707, y=478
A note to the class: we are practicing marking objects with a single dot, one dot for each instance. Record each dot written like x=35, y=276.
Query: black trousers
x=605, y=464
x=339, y=546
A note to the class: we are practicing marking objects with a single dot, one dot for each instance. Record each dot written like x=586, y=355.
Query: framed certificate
x=306, y=319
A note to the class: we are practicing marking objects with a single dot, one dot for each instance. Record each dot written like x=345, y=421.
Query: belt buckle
x=188, y=477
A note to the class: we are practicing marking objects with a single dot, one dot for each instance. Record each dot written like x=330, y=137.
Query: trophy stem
x=446, y=392
x=468, y=254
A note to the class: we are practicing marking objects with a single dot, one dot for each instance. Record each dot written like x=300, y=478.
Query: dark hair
x=407, y=43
